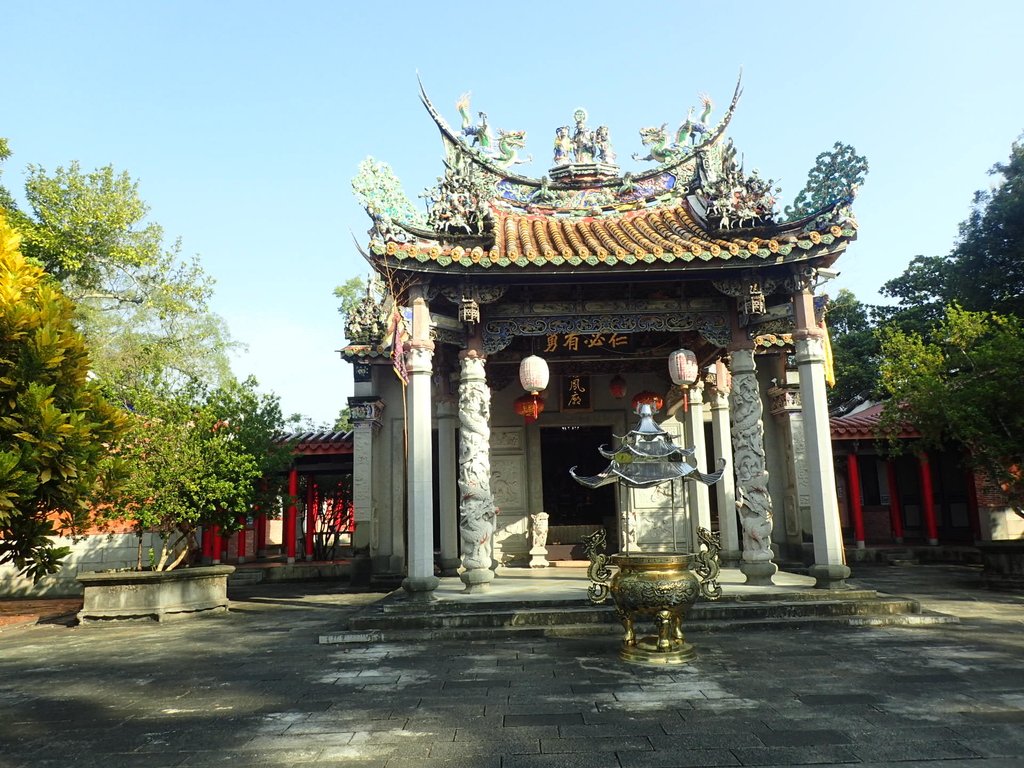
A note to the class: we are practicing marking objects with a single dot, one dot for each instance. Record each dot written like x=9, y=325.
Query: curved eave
x=610, y=266
x=454, y=139
x=699, y=255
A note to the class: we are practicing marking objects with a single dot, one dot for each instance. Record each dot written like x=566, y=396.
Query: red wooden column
x=973, y=515
x=207, y=544
x=290, y=515
x=240, y=542
x=856, y=502
x=931, y=528
x=895, y=512
x=311, y=502
x=261, y=535
x=216, y=545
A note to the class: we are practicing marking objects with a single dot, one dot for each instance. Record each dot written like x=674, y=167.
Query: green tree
x=344, y=421
x=54, y=424
x=197, y=458
x=855, y=348
x=349, y=294
x=984, y=271
x=962, y=383
x=142, y=307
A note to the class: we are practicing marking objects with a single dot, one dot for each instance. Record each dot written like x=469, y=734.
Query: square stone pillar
x=447, y=423
x=829, y=567
x=698, y=495
x=365, y=413
x=420, y=580
x=725, y=489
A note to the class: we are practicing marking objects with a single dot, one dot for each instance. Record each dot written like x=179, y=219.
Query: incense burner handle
x=705, y=564
x=599, y=573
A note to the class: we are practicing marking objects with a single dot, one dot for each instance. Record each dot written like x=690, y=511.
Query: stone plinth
x=156, y=595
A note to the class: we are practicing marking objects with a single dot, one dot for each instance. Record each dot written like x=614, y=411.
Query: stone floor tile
x=684, y=758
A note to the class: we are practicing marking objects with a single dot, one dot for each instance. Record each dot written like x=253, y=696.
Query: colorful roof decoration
x=696, y=209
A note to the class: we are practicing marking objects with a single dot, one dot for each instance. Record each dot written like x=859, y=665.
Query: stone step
x=245, y=576
x=614, y=629
x=397, y=617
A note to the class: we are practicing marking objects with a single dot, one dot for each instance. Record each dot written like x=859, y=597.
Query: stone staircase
x=396, y=618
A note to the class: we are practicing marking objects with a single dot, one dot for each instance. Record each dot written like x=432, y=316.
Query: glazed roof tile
x=863, y=425
x=649, y=235
x=318, y=443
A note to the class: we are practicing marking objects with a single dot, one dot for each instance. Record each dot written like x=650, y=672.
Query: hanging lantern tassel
x=530, y=407
x=686, y=400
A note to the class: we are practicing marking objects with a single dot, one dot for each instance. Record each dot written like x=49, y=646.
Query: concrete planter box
x=156, y=595
x=1003, y=564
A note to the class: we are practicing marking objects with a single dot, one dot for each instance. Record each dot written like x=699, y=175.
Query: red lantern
x=530, y=407
x=617, y=386
x=647, y=397
x=533, y=374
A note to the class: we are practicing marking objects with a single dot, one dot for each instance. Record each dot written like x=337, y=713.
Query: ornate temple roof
x=696, y=209
x=863, y=425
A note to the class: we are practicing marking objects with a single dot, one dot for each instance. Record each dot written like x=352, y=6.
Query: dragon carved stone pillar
x=478, y=515
x=753, y=500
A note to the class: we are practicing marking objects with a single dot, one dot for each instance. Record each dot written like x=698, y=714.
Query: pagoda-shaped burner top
x=646, y=457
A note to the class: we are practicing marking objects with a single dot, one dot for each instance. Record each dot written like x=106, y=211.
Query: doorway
x=576, y=511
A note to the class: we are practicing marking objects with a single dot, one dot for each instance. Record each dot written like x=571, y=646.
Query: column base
x=289, y=560
x=933, y=542
x=241, y=559
x=829, y=576
x=477, y=579
x=759, y=574
x=450, y=566
x=730, y=558
x=420, y=587
x=261, y=554
x=861, y=545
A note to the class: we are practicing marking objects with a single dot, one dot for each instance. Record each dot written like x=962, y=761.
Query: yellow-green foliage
x=54, y=424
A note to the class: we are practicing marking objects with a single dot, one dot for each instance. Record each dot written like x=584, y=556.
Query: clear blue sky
x=244, y=121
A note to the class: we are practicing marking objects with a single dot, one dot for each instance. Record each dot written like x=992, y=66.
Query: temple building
x=516, y=324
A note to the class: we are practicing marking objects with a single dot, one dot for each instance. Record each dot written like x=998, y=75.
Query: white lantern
x=682, y=367
x=533, y=374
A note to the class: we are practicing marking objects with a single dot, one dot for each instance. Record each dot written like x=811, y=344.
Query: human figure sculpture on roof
x=563, y=145
x=582, y=139
x=603, y=151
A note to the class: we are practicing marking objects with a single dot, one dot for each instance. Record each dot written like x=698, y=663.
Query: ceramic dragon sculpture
x=481, y=137
x=508, y=143
x=687, y=135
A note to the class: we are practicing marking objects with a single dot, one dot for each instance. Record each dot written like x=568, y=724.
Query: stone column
x=829, y=567
x=752, y=498
x=365, y=413
x=698, y=494
x=447, y=422
x=420, y=580
x=477, y=521
x=725, y=489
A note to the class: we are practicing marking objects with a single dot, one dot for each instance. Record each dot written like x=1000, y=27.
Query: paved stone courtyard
x=253, y=688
